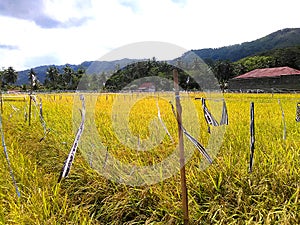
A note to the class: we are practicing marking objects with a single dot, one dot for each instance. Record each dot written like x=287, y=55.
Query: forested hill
x=91, y=66
x=280, y=39
x=282, y=46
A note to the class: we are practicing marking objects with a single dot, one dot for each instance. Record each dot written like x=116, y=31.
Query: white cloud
x=73, y=31
x=64, y=10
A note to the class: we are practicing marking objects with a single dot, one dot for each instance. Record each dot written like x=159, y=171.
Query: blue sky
x=43, y=32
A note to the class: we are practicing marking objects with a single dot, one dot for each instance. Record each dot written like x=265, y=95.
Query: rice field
x=126, y=168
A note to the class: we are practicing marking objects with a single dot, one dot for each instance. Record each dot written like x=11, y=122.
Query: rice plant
x=223, y=193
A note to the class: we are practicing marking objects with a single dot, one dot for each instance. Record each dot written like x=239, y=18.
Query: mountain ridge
x=283, y=38
x=99, y=67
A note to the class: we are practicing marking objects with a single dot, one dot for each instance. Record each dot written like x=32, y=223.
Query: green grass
x=224, y=193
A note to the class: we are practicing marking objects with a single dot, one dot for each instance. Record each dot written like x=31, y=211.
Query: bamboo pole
x=298, y=112
x=29, y=110
x=30, y=99
x=252, y=136
x=1, y=99
x=181, y=149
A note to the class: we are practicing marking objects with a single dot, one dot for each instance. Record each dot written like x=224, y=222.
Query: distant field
x=223, y=193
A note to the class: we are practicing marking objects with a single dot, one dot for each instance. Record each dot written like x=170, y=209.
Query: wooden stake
x=181, y=149
x=252, y=136
x=298, y=112
x=1, y=102
x=29, y=110
x=30, y=99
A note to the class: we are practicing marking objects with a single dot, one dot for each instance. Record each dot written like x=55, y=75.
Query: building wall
x=282, y=83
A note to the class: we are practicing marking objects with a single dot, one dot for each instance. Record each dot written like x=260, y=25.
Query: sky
x=47, y=32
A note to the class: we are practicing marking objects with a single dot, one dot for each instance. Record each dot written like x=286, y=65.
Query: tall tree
x=78, y=75
x=223, y=70
x=10, y=75
x=52, y=80
x=71, y=78
x=67, y=75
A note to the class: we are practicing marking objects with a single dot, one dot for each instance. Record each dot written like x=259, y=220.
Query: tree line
x=65, y=79
x=68, y=78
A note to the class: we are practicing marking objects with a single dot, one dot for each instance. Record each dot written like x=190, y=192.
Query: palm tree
x=52, y=77
x=10, y=76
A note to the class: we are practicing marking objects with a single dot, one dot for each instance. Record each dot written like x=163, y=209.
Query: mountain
x=90, y=67
x=289, y=37
x=280, y=39
x=41, y=72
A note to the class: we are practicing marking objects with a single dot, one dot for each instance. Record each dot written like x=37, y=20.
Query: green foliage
x=223, y=70
x=52, y=78
x=279, y=39
x=138, y=73
x=8, y=76
x=285, y=56
x=254, y=62
x=68, y=79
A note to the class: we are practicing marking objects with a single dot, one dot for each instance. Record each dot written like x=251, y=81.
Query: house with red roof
x=147, y=87
x=267, y=79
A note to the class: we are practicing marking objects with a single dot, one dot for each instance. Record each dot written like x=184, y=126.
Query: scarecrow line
x=68, y=162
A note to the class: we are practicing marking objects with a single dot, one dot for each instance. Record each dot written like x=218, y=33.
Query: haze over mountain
x=280, y=39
